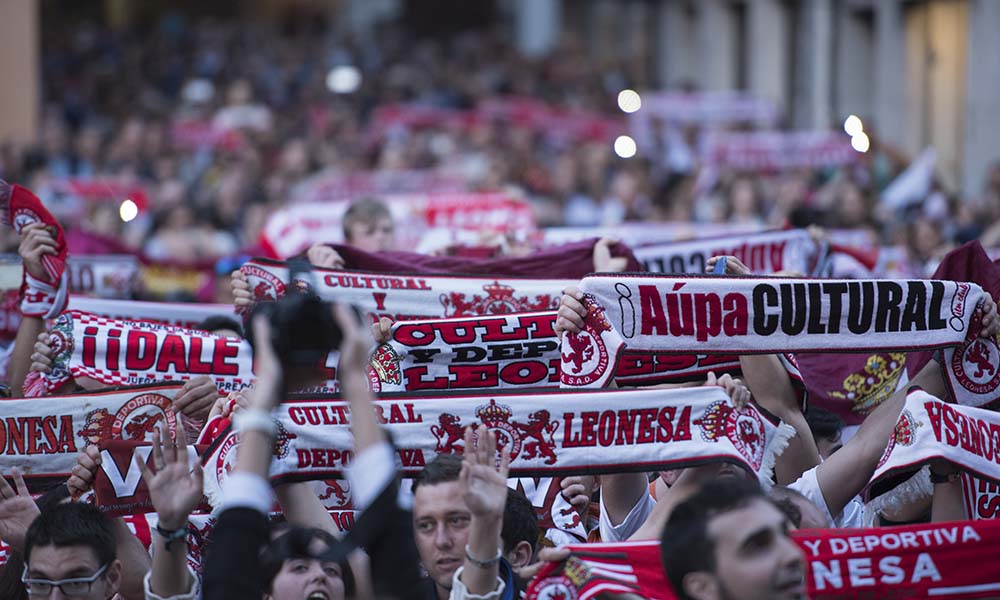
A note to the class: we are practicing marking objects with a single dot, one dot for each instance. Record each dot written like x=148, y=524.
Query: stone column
x=813, y=90
x=766, y=48
x=890, y=66
x=716, y=57
x=19, y=63
x=537, y=24
x=982, y=119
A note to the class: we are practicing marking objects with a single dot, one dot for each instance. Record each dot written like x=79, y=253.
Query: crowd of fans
x=121, y=106
x=217, y=121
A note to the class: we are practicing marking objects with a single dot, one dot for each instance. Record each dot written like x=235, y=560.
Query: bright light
x=625, y=146
x=344, y=79
x=853, y=126
x=860, y=142
x=128, y=210
x=629, y=101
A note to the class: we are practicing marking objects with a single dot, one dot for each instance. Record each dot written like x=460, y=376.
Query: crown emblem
x=493, y=413
x=499, y=291
x=869, y=387
x=385, y=362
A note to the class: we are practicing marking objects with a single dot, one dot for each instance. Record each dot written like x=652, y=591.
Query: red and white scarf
x=408, y=297
x=939, y=560
x=764, y=253
x=737, y=315
x=182, y=314
x=502, y=352
x=929, y=429
x=982, y=497
x=548, y=434
x=42, y=436
x=118, y=352
x=20, y=208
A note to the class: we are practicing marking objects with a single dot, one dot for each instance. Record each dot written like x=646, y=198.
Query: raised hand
x=603, y=261
x=81, y=478
x=197, y=397
x=991, y=324
x=738, y=392
x=17, y=510
x=484, y=484
x=242, y=295
x=325, y=257
x=174, y=488
x=41, y=357
x=36, y=242
x=571, y=312
x=734, y=266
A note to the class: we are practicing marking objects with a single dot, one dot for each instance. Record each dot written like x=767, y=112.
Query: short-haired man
x=368, y=226
x=729, y=541
x=71, y=548
x=443, y=522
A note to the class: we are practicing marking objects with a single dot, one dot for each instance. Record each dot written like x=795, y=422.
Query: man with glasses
x=70, y=553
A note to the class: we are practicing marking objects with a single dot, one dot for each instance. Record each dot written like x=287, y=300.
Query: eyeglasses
x=76, y=586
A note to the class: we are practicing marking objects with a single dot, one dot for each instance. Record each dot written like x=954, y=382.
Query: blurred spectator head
x=368, y=226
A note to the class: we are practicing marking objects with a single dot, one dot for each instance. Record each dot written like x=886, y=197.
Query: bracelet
x=169, y=537
x=255, y=420
x=483, y=564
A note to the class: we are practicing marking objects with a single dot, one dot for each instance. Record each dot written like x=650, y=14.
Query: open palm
x=17, y=511
x=174, y=488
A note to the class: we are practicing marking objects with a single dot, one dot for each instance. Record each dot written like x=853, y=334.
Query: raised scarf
x=938, y=560
x=764, y=253
x=42, y=436
x=929, y=429
x=548, y=433
x=182, y=314
x=506, y=351
x=123, y=352
x=20, y=208
x=740, y=315
x=407, y=297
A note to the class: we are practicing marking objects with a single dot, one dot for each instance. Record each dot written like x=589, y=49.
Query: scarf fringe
x=782, y=437
x=913, y=489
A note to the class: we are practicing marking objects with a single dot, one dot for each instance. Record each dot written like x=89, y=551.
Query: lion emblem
x=450, y=434
x=538, y=432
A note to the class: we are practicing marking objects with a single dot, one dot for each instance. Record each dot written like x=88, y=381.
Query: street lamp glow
x=344, y=79
x=629, y=101
x=853, y=126
x=128, y=210
x=860, y=142
x=625, y=146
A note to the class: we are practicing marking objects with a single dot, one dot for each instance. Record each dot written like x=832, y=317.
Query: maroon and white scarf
x=118, y=352
x=548, y=433
x=938, y=560
x=982, y=497
x=407, y=297
x=42, y=436
x=929, y=429
x=20, y=208
x=764, y=253
x=508, y=351
x=182, y=314
x=739, y=315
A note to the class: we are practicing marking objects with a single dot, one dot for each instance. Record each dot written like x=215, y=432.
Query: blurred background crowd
x=177, y=134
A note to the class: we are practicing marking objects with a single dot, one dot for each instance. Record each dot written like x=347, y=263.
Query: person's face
x=308, y=579
x=70, y=562
x=441, y=528
x=812, y=516
x=755, y=559
x=373, y=237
